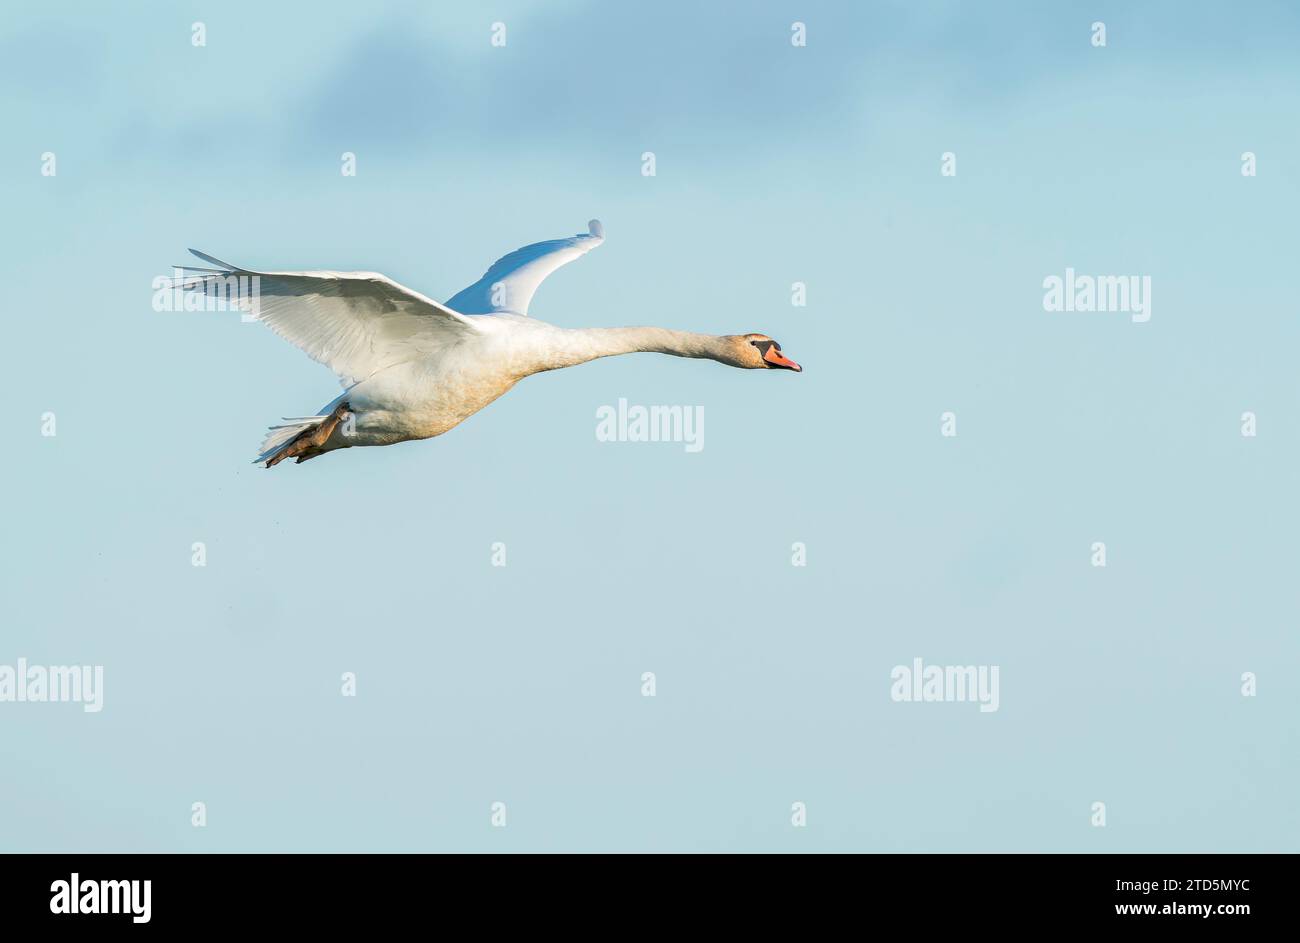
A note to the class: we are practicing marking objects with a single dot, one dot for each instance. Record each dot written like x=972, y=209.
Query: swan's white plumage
x=355, y=323
x=510, y=282
x=413, y=368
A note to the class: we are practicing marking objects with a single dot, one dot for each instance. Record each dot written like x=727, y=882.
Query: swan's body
x=413, y=368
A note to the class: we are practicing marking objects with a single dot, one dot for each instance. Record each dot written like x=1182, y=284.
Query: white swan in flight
x=412, y=368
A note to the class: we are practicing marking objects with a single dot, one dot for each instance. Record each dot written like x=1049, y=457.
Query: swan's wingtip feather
x=225, y=266
x=596, y=229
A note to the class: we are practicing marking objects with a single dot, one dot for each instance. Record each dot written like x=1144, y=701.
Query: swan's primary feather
x=509, y=284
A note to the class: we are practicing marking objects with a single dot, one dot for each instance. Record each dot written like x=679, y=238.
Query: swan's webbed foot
x=309, y=441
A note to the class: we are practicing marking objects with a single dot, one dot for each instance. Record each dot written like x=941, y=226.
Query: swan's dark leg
x=308, y=443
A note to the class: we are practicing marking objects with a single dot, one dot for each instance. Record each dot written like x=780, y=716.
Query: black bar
x=1177, y=893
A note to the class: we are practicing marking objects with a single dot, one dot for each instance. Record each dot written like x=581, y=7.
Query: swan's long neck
x=567, y=347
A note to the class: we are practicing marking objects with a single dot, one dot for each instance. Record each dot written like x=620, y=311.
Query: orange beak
x=775, y=358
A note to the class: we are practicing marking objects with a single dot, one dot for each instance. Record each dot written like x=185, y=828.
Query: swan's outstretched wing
x=355, y=323
x=508, y=285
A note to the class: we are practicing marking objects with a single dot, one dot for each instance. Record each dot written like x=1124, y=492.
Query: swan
x=412, y=368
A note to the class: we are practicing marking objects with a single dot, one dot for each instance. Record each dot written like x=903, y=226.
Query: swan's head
x=758, y=352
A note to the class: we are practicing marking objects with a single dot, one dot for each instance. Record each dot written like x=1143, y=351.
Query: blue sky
x=775, y=164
